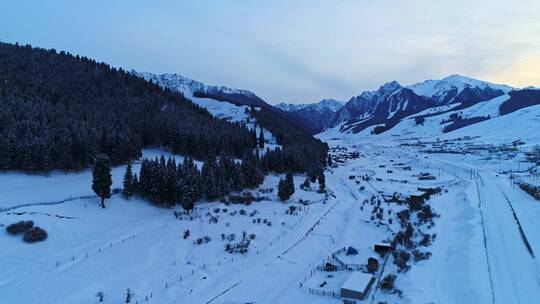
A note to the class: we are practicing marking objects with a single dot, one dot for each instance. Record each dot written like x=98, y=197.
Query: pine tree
x=251, y=170
x=168, y=192
x=129, y=295
x=143, y=187
x=101, y=178
x=322, y=183
x=135, y=183
x=289, y=181
x=128, y=182
x=282, y=191
x=261, y=139
x=286, y=187
x=210, y=178
x=190, y=185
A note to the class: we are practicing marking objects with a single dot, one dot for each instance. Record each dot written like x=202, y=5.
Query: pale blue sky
x=292, y=51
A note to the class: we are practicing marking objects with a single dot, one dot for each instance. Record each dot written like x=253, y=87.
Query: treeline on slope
x=519, y=100
x=234, y=98
x=58, y=111
x=458, y=122
x=167, y=183
x=301, y=152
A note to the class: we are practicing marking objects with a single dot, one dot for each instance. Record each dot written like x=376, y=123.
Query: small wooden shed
x=357, y=285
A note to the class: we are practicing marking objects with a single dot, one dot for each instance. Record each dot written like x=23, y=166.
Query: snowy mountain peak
x=390, y=87
x=444, y=90
x=331, y=104
x=325, y=104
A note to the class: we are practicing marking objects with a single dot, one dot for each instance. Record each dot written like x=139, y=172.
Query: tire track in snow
x=521, y=232
x=485, y=239
x=224, y=292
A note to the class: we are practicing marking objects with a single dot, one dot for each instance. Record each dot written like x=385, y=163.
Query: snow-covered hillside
x=234, y=112
x=189, y=86
x=517, y=126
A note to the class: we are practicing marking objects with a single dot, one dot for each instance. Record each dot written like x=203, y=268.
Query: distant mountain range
x=314, y=117
x=378, y=111
x=382, y=109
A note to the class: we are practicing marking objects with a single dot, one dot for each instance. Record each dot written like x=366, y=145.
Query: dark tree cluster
x=58, y=111
x=301, y=152
x=167, y=183
x=520, y=99
x=463, y=122
x=286, y=187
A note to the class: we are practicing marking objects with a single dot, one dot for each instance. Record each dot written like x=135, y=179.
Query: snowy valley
x=431, y=208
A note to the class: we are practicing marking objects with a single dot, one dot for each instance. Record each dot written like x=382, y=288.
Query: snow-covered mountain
x=314, y=117
x=241, y=106
x=392, y=102
x=449, y=89
x=325, y=104
x=389, y=103
x=193, y=88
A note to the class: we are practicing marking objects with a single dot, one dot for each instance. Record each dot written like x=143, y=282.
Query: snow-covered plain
x=479, y=255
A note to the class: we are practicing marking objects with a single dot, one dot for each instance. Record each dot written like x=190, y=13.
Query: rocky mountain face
x=392, y=102
x=314, y=117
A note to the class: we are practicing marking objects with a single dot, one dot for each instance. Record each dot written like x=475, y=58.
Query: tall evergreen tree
x=251, y=170
x=190, y=185
x=210, y=177
x=128, y=182
x=286, y=187
x=101, y=178
x=322, y=183
x=282, y=190
x=289, y=181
